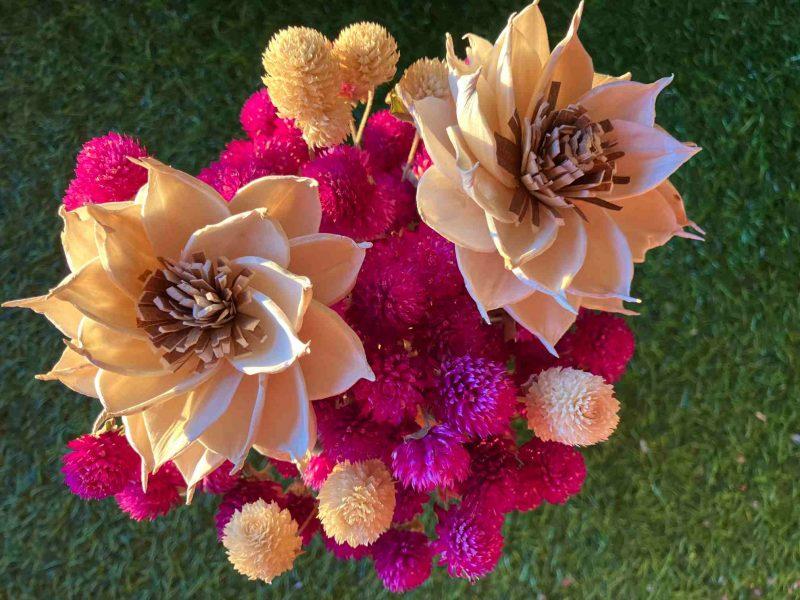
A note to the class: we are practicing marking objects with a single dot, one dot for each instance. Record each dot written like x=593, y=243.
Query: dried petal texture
x=572, y=407
x=367, y=56
x=402, y=560
x=304, y=80
x=550, y=180
x=204, y=323
x=262, y=540
x=356, y=502
x=423, y=78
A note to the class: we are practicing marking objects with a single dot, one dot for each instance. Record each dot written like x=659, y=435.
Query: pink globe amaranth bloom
x=388, y=140
x=246, y=491
x=103, y=172
x=317, y=470
x=258, y=114
x=470, y=542
x=220, y=480
x=350, y=204
x=422, y=161
x=162, y=495
x=409, y=503
x=78, y=193
x=474, y=396
x=238, y=152
x=345, y=551
x=456, y=328
x=556, y=470
x=347, y=435
x=600, y=343
x=398, y=389
x=402, y=559
x=282, y=154
x=228, y=177
x=491, y=485
x=389, y=298
x=302, y=508
x=437, y=459
x=99, y=466
x=436, y=258
x=391, y=190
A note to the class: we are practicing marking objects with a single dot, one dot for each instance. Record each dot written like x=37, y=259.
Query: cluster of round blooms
x=437, y=426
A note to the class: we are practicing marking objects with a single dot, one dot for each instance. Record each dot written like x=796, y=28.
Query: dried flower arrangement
x=332, y=336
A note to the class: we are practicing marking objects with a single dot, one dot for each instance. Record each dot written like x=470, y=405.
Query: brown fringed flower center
x=561, y=157
x=191, y=310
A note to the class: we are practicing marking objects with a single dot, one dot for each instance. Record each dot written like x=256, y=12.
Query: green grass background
x=693, y=497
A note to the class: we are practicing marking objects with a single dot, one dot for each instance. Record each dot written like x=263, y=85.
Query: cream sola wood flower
x=203, y=324
x=550, y=179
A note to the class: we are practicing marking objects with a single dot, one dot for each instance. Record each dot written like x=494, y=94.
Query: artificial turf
x=694, y=496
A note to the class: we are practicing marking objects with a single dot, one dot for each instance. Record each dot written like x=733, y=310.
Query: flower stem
x=364, y=117
x=411, y=154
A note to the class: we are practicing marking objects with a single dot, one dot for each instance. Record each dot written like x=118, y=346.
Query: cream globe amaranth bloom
x=205, y=325
x=549, y=178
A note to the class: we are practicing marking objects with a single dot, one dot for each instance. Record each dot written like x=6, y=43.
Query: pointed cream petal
x=487, y=192
x=626, y=100
x=478, y=50
x=544, y=317
x=519, y=242
x=174, y=205
x=472, y=112
x=445, y=208
x=569, y=65
x=330, y=261
x=673, y=197
x=112, y=350
x=613, y=305
x=175, y=423
x=647, y=221
x=651, y=155
x=196, y=462
x=92, y=293
x=288, y=425
x=291, y=292
x=488, y=282
x=530, y=50
x=123, y=246
x=607, y=270
x=232, y=434
x=336, y=359
x=124, y=395
x=247, y=234
x=62, y=314
x=502, y=84
x=553, y=270
x=136, y=433
x=77, y=237
x=280, y=348
x=602, y=78
x=291, y=201
x=433, y=116
x=74, y=371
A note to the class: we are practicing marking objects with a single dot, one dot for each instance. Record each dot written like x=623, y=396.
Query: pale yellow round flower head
x=304, y=82
x=356, y=502
x=572, y=407
x=262, y=540
x=425, y=77
x=367, y=54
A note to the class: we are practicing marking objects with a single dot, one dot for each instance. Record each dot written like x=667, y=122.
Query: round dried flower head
x=304, y=81
x=356, y=502
x=367, y=55
x=99, y=466
x=262, y=540
x=572, y=407
x=425, y=77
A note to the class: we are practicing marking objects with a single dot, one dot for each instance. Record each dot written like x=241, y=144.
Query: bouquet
x=389, y=331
